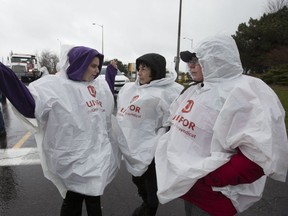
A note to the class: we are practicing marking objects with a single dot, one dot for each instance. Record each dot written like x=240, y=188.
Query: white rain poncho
x=231, y=110
x=143, y=111
x=74, y=136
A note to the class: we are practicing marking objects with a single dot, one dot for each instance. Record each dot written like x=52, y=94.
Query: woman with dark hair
x=143, y=110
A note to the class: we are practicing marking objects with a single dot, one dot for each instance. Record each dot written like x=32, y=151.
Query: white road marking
x=19, y=156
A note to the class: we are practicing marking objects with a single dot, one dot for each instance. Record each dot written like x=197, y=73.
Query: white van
x=120, y=79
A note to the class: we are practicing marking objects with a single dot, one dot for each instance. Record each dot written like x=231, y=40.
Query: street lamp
x=177, y=59
x=190, y=40
x=102, y=26
x=59, y=42
x=60, y=45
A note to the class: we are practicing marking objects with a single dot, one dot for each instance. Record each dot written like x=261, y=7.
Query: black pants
x=147, y=188
x=72, y=205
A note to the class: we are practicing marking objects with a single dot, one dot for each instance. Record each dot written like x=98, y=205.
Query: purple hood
x=79, y=59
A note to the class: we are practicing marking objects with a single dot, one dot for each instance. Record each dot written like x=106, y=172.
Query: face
x=92, y=70
x=144, y=74
x=195, y=69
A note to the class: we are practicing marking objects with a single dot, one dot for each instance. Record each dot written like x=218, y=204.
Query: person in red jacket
x=227, y=135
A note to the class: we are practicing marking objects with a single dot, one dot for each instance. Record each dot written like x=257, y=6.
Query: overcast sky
x=131, y=27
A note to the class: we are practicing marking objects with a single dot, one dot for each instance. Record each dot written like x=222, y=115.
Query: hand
x=114, y=63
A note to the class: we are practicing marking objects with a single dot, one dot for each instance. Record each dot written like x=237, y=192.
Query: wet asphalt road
x=25, y=192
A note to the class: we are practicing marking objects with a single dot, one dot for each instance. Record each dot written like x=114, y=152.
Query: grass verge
x=282, y=93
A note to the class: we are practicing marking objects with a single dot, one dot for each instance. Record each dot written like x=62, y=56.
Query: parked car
x=120, y=79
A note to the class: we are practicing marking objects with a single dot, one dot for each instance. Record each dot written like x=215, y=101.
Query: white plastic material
x=231, y=110
x=143, y=112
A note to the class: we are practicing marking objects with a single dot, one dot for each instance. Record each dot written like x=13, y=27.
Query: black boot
x=151, y=211
x=140, y=211
x=145, y=210
x=3, y=134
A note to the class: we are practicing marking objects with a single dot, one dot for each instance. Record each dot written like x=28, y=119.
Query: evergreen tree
x=263, y=43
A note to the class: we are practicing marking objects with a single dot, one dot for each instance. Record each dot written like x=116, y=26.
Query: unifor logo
x=188, y=106
x=134, y=98
x=92, y=90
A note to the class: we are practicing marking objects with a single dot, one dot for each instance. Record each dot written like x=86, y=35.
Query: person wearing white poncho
x=227, y=135
x=143, y=111
x=73, y=110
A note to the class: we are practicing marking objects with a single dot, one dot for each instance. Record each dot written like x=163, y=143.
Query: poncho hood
x=219, y=58
x=159, y=82
x=75, y=60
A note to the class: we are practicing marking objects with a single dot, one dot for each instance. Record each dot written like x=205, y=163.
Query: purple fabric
x=79, y=58
x=110, y=74
x=17, y=93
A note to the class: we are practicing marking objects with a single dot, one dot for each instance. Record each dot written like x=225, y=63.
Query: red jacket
x=238, y=170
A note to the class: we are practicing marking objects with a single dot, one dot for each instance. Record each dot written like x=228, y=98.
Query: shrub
x=278, y=76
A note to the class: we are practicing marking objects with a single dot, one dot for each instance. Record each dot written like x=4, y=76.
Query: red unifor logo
x=188, y=106
x=92, y=90
x=134, y=98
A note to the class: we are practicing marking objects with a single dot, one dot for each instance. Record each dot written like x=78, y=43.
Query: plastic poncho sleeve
x=239, y=170
x=17, y=93
x=110, y=74
x=252, y=119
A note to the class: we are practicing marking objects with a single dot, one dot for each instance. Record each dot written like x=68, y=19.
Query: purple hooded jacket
x=110, y=74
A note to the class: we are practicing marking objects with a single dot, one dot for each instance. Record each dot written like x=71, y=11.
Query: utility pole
x=177, y=59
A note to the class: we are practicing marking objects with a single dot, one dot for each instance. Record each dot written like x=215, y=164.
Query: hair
x=155, y=62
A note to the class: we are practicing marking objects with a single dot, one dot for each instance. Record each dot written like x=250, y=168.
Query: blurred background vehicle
x=120, y=79
x=25, y=66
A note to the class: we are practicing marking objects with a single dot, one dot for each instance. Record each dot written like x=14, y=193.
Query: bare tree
x=275, y=5
x=49, y=60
